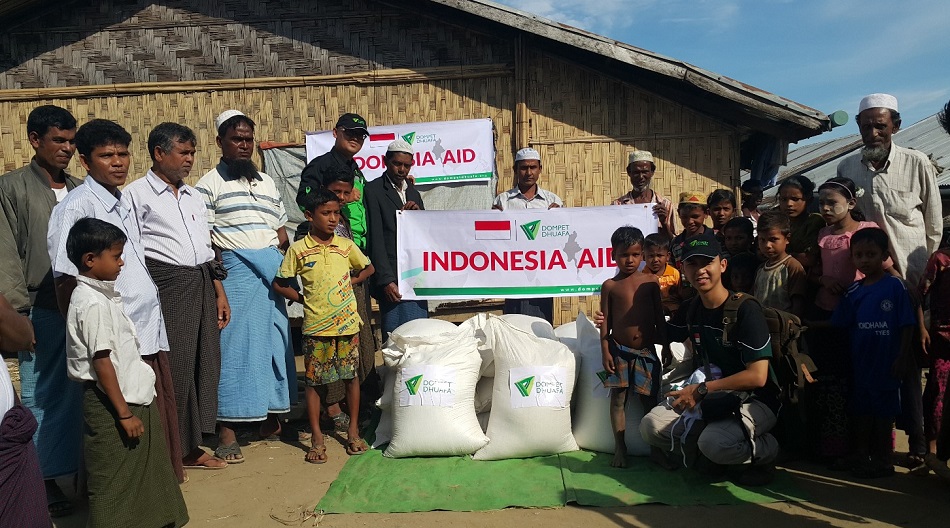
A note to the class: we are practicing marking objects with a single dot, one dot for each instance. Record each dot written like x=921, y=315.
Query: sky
x=823, y=54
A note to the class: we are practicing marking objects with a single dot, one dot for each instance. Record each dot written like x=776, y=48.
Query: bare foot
x=620, y=459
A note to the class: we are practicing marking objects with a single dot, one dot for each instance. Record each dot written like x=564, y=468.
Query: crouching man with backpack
x=727, y=417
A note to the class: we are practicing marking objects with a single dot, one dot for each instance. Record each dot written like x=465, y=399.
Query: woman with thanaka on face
x=837, y=204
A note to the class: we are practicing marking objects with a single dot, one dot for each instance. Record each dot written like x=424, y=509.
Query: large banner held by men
x=445, y=151
x=557, y=252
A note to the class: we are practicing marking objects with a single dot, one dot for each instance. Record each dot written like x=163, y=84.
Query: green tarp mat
x=371, y=483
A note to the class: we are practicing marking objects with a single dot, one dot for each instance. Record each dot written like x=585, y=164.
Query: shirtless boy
x=633, y=323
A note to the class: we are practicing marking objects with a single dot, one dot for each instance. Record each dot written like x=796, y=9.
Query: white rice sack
x=384, y=430
x=532, y=325
x=530, y=412
x=475, y=326
x=434, y=401
x=567, y=334
x=483, y=420
x=417, y=331
x=483, y=392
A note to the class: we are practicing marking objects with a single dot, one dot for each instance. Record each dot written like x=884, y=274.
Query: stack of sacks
x=530, y=409
x=418, y=331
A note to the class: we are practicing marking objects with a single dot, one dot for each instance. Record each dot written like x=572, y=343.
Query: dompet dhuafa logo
x=534, y=230
x=538, y=386
x=412, y=384
x=531, y=231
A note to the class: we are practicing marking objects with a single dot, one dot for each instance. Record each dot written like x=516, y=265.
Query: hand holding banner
x=511, y=254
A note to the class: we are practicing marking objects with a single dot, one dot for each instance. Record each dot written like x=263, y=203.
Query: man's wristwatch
x=701, y=390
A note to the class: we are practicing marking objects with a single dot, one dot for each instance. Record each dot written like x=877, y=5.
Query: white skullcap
x=527, y=154
x=224, y=116
x=400, y=146
x=878, y=100
x=640, y=155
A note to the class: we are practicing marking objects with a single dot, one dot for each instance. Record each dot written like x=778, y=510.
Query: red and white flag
x=493, y=230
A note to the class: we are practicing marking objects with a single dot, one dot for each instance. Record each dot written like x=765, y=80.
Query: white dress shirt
x=139, y=293
x=514, y=199
x=174, y=228
x=96, y=321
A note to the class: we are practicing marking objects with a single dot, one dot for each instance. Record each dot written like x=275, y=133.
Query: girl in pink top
x=837, y=205
x=829, y=348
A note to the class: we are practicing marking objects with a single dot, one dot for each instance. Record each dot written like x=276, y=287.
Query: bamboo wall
x=188, y=60
x=281, y=114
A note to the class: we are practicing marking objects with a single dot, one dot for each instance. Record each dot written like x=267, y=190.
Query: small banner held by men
x=445, y=151
x=557, y=252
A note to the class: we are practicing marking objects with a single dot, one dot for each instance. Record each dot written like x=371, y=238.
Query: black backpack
x=792, y=365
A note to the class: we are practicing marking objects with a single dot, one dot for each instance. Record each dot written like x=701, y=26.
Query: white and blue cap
x=527, y=154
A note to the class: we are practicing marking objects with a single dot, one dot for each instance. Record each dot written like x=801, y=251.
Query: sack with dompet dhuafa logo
x=534, y=380
x=433, y=397
x=406, y=335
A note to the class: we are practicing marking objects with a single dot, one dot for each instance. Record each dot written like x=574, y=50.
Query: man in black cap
x=744, y=362
x=349, y=135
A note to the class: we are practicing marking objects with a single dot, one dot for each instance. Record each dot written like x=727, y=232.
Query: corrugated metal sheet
x=819, y=162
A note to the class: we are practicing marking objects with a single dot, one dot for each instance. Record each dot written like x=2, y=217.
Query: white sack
x=530, y=414
x=434, y=400
x=483, y=392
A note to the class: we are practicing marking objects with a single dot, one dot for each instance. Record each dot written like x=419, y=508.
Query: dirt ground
x=275, y=488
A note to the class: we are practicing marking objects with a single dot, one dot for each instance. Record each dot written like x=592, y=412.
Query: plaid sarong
x=131, y=483
x=641, y=366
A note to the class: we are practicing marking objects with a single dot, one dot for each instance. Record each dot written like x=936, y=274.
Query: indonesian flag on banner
x=493, y=230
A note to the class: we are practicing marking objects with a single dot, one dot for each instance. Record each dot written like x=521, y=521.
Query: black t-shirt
x=750, y=341
x=311, y=175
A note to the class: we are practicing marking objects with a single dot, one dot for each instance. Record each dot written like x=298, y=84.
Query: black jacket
x=382, y=201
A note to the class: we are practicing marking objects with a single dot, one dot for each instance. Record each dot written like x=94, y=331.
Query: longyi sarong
x=130, y=483
x=22, y=493
x=255, y=346
x=51, y=396
x=166, y=409
x=189, y=305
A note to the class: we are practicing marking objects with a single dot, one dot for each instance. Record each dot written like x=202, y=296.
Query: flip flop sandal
x=211, y=468
x=356, y=447
x=321, y=454
x=60, y=508
x=232, y=449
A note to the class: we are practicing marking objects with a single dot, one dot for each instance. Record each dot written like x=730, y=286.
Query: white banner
x=557, y=252
x=538, y=387
x=445, y=151
x=426, y=385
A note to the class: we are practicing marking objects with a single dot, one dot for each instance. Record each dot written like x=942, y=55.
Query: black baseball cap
x=351, y=122
x=702, y=245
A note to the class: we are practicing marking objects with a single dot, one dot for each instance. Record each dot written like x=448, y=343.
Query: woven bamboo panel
x=128, y=41
x=585, y=124
x=282, y=115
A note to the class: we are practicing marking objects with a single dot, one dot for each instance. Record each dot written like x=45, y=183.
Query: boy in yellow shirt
x=325, y=262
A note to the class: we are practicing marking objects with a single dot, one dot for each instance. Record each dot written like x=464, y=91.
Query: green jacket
x=26, y=202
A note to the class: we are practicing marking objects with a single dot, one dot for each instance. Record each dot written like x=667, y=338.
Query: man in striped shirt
x=246, y=217
x=172, y=220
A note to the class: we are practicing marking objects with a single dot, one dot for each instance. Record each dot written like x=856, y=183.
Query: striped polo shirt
x=242, y=214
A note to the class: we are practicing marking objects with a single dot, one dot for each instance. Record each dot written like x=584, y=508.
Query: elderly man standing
x=640, y=170
x=901, y=196
x=27, y=198
x=527, y=194
x=172, y=221
x=386, y=195
x=246, y=217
